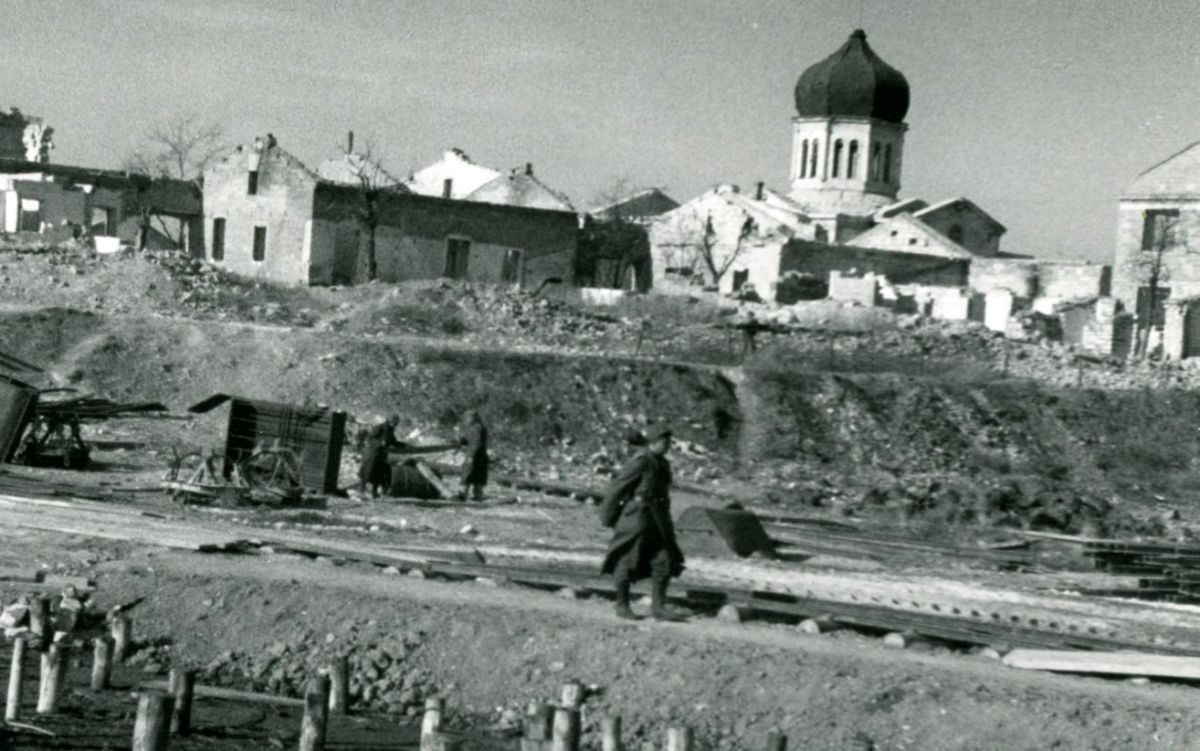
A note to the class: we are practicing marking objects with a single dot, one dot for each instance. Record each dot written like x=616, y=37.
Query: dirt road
x=492, y=650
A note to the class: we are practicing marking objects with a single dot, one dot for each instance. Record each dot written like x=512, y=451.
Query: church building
x=843, y=211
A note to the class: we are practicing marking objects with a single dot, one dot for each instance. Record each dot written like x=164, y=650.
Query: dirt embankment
x=561, y=408
x=969, y=449
x=997, y=451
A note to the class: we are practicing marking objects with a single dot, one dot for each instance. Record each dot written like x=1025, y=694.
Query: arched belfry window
x=875, y=156
x=812, y=157
x=852, y=159
x=887, y=163
x=804, y=158
x=837, y=158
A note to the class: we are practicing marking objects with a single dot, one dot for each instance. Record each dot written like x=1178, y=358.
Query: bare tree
x=365, y=171
x=715, y=252
x=1162, y=240
x=180, y=148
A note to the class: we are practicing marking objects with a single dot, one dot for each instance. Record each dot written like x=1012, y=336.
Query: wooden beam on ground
x=1105, y=663
x=431, y=477
x=216, y=692
x=531, y=483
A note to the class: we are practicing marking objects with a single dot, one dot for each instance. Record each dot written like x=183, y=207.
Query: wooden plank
x=1105, y=663
x=431, y=477
x=216, y=692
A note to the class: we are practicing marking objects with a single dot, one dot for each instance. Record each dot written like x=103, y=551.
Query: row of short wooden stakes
x=161, y=714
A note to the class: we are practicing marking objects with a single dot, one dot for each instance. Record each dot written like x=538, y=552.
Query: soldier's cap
x=656, y=433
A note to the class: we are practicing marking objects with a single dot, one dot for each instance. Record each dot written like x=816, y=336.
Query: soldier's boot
x=659, y=610
x=623, y=609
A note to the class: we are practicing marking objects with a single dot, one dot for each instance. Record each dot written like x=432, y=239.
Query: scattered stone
x=730, y=614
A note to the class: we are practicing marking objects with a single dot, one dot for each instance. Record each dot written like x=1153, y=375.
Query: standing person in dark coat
x=475, y=446
x=638, y=508
x=375, y=472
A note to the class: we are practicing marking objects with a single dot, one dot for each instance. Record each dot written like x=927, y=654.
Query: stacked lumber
x=1170, y=572
x=89, y=407
x=817, y=537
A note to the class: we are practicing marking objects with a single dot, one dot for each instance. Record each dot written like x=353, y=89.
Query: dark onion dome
x=853, y=81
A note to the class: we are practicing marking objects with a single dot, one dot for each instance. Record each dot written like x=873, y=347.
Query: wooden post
x=572, y=695
x=339, y=685
x=431, y=723
x=316, y=714
x=101, y=662
x=54, y=673
x=679, y=739
x=565, y=736
x=151, y=730
x=610, y=734
x=183, y=687
x=39, y=623
x=122, y=627
x=776, y=742
x=16, y=681
x=539, y=719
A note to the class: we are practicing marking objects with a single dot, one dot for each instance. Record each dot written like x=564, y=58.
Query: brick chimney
x=350, y=142
x=529, y=168
x=758, y=192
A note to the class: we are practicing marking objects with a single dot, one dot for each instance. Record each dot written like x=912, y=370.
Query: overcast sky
x=1038, y=111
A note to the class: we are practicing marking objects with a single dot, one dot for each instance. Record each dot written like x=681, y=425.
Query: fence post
x=151, y=730
x=54, y=673
x=183, y=686
x=566, y=730
x=16, y=681
x=431, y=723
x=610, y=734
x=316, y=714
x=101, y=662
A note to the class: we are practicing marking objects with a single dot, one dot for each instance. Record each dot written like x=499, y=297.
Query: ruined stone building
x=50, y=203
x=1158, y=235
x=640, y=207
x=24, y=137
x=269, y=216
x=456, y=176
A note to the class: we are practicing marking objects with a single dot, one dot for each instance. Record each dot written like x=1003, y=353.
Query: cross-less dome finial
x=853, y=81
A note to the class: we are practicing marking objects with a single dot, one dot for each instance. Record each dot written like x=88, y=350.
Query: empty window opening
x=31, y=216
x=103, y=222
x=252, y=183
x=218, y=239
x=912, y=241
x=260, y=244
x=852, y=159
x=511, y=270
x=458, y=252
x=1158, y=229
x=804, y=158
x=740, y=278
x=887, y=163
x=812, y=158
x=837, y=157
x=1158, y=317
x=821, y=235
